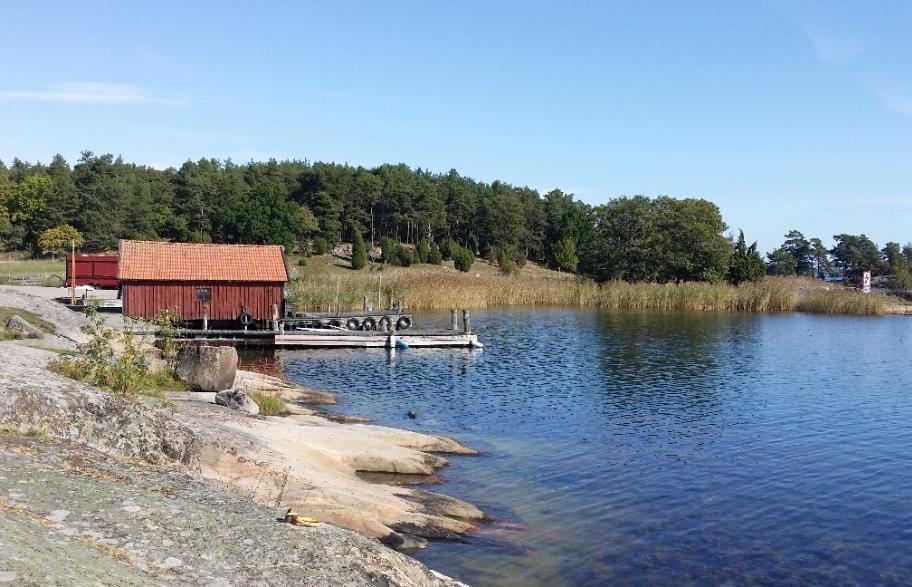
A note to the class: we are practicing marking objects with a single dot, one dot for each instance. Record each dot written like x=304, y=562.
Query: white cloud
x=89, y=93
x=893, y=98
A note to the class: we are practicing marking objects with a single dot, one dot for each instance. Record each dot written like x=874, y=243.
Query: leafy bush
x=565, y=255
x=166, y=320
x=125, y=374
x=320, y=246
x=302, y=261
x=901, y=280
x=359, y=252
x=389, y=251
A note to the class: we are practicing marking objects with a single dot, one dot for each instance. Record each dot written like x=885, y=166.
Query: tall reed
x=422, y=290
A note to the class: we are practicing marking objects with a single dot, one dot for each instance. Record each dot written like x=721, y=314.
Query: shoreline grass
x=435, y=288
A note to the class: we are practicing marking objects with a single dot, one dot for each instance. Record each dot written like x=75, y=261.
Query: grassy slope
x=15, y=264
x=30, y=317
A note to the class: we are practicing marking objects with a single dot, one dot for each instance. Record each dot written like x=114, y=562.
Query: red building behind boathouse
x=215, y=282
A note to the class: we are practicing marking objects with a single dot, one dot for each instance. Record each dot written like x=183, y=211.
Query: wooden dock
x=330, y=338
x=323, y=338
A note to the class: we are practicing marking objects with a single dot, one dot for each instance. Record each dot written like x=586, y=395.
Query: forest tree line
x=310, y=206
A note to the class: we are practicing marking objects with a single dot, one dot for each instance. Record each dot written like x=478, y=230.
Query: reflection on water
x=659, y=448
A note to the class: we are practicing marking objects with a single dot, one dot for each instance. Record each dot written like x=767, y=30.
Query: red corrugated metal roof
x=161, y=261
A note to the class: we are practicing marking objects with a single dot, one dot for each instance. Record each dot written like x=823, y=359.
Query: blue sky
x=786, y=114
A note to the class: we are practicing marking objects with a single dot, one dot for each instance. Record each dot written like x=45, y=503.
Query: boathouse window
x=204, y=294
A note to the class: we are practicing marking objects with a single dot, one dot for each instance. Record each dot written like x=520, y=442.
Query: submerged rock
x=207, y=368
x=17, y=323
x=237, y=400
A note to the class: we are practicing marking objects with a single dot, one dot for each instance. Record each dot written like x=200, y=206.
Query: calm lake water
x=645, y=448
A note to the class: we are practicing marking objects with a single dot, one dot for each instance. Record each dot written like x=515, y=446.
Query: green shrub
x=448, y=249
x=389, y=251
x=270, y=404
x=901, y=280
x=320, y=246
x=302, y=261
x=462, y=259
x=126, y=373
x=359, y=252
x=405, y=256
x=506, y=264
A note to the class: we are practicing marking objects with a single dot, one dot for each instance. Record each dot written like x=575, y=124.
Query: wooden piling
x=453, y=323
x=466, y=322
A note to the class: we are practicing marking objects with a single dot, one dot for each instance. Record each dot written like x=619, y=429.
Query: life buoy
x=352, y=324
x=403, y=322
x=384, y=324
x=245, y=318
x=369, y=324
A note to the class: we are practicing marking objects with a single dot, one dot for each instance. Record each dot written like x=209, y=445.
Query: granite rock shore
x=100, y=489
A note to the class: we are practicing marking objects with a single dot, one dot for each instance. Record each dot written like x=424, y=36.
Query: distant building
x=238, y=283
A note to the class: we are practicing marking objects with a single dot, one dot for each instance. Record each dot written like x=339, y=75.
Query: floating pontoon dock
x=321, y=337
x=329, y=338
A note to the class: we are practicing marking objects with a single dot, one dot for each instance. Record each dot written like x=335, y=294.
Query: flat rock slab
x=182, y=531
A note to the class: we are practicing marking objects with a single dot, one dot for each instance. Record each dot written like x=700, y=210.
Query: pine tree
x=359, y=252
x=422, y=251
x=434, y=257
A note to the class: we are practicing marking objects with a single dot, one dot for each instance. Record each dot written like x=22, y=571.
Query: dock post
x=275, y=317
x=368, y=306
x=206, y=317
x=466, y=322
x=453, y=324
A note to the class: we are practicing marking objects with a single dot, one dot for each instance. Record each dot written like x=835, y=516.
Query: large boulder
x=237, y=400
x=207, y=368
x=17, y=323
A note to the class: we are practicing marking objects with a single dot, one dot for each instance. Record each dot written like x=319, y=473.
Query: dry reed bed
x=430, y=291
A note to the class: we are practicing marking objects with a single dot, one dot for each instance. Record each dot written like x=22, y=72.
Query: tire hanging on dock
x=403, y=323
x=384, y=324
x=369, y=324
x=245, y=318
x=352, y=324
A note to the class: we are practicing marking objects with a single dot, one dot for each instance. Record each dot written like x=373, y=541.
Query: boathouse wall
x=226, y=300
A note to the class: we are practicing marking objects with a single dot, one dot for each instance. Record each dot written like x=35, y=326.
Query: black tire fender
x=352, y=324
x=403, y=323
x=369, y=324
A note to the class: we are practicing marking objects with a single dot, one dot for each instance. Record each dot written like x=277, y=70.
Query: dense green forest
x=310, y=206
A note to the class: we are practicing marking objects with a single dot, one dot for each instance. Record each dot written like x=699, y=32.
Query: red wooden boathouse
x=202, y=282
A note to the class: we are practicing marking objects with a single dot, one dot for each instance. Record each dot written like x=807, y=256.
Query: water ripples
x=660, y=448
